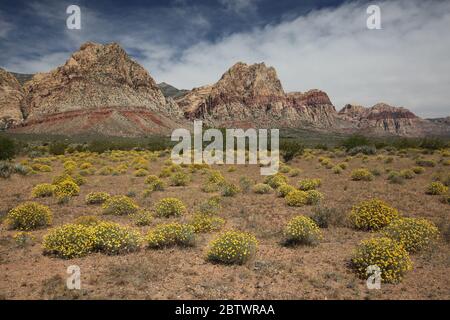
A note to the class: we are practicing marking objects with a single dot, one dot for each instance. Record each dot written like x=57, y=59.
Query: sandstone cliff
x=11, y=95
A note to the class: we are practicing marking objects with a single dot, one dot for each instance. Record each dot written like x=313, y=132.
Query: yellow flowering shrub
x=65, y=190
x=215, y=177
x=229, y=189
x=119, y=205
x=362, y=175
x=284, y=190
x=170, y=234
x=168, y=207
x=142, y=217
x=210, y=207
x=69, y=241
x=276, y=180
x=140, y=173
x=29, y=216
x=154, y=183
x=112, y=238
x=70, y=166
x=313, y=197
x=407, y=174
x=436, y=188
x=97, y=197
x=296, y=198
x=385, y=253
x=309, y=184
x=302, y=230
x=262, y=188
x=372, y=214
x=203, y=223
x=43, y=190
x=41, y=167
x=179, y=179
x=337, y=169
x=105, y=171
x=295, y=172
x=418, y=170
x=232, y=247
x=413, y=234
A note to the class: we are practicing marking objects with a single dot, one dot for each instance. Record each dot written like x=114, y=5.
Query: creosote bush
x=302, y=230
x=309, y=184
x=232, y=247
x=414, y=234
x=29, y=216
x=97, y=197
x=385, y=253
x=170, y=234
x=43, y=190
x=168, y=207
x=372, y=214
x=119, y=205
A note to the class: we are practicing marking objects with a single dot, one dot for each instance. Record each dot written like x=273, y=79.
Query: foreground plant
x=302, y=230
x=120, y=205
x=372, y=215
x=29, y=216
x=170, y=234
x=168, y=207
x=232, y=247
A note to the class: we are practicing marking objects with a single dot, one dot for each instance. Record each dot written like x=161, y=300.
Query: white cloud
x=238, y=6
x=404, y=64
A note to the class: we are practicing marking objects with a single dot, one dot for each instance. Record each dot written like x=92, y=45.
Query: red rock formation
x=10, y=96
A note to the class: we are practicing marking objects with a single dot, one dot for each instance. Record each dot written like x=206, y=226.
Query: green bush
x=180, y=179
x=313, y=197
x=275, y=180
x=7, y=148
x=355, y=141
x=289, y=149
x=229, y=189
x=57, y=148
x=142, y=217
x=325, y=217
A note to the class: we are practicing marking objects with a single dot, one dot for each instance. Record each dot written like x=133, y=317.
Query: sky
x=323, y=44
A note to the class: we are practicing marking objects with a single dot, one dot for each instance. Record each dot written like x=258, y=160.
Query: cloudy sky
x=322, y=44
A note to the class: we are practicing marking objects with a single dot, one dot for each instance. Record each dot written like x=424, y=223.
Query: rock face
x=170, y=91
x=11, y=95
x=98, y=90
x=385, y=119
x=252, y=96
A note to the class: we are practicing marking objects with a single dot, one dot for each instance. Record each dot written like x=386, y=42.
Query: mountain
x=98, y=90
x=252, y=95
x=11, y=94
x=170, y=91
x=22, y=77
x=382, y=119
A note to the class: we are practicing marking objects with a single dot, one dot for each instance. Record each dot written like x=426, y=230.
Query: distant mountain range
x=101, y=90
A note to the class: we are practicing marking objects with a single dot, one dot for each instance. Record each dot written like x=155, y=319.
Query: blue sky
x=322, y=44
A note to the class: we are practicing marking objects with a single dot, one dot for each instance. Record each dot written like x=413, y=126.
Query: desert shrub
x=204, y=223
x=87, y=221
x=337, y=170
x=407, y=174
x=231, y=169
x=275, y=180
x=262, y=188
x=165, y=172
x=309, y=184
x=112, y=238
x=232, y=247
x=229, y=189
x=290, y=149
x=325, y=217
x=155, y=183
x=385, y=253
x=302, y=230
x=7, y=148
x=362, y=175
x=413, y=234
x=367, y=150
x=216, y=177
x=23, y=238
x=69, y=166
x=395, y=177
x=284, y=168
x=6, y=169
x=295, y=172
x=179, y=179
x=41, y=167
x=140, y=173
x=105, y=171
x=57, y=148
x=209, y=187
x=343, y=165
x=372, y=214
x=29, y=216
x=170, y=234
x=284, y=190
x=425, y=163
x=69, y=241
x=66, y=190
x=296, y=198
x=246, y=184
x=418, y=170
x=43, y=190
x=142, y=217
x=313, y=197
x=436, y=188
x=210, y=207
x=22, y=169
x=389, y=160
x=119, y=205
x=97, y=197
x=168, y=207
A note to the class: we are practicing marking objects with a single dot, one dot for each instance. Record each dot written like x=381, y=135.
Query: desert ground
x=275, y=271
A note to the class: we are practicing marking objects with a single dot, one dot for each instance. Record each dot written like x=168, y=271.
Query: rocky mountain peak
x=10, y=96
